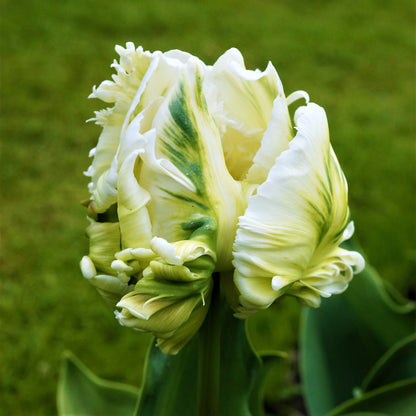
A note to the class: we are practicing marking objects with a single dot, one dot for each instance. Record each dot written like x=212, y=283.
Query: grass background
x=357, y=59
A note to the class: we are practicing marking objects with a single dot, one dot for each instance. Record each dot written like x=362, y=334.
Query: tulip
x=199, y=171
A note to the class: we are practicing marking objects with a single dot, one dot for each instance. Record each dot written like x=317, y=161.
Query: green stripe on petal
x=287, y=240
x=185, y=172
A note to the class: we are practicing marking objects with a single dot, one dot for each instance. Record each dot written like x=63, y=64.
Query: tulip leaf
x=398, y=363
x=395, y=399
x=81, y=393
x=365, y=414
x=268, y=361
x=240, y=368
x=170, y=386
x=342, y=340
x=171, y=382
x=243, y=372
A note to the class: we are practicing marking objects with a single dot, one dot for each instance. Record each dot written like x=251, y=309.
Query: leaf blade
x=81, y=393
x=343, y=339
x=395, y=399
x=398, y=363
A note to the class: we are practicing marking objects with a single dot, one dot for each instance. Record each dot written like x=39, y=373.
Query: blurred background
x=356, y=59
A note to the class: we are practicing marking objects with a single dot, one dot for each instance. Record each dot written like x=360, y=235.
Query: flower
x=198, y=170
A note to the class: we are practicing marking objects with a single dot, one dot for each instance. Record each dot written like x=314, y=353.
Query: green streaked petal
x=241, y=102
x=174, y=343
x=159, y=316
x=184, y=170
x=287, y=240
x=104, y=243
x=171, y=300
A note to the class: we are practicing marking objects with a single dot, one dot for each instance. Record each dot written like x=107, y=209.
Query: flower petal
x=141, y=78
x=241, y=101
x=184, y=170
x=287, y=240
x=172, y=298
x=104, y=243
x=110, y=288
x=130, y=73
x=275, y=140
x=135, y=226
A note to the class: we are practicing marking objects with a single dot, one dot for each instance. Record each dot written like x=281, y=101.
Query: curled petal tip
x=165, y=250
x=297, y=95
x=87, y=268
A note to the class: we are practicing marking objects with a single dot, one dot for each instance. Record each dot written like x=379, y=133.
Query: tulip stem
x=209, y=355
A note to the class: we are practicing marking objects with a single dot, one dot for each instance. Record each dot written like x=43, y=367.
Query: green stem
x=209, y=356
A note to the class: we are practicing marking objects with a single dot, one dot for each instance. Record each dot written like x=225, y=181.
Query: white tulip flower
x=199, y=170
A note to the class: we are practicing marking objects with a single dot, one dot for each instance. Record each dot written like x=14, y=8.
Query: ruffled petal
x=288, y=238
x=172, y=297
x=130, y=73
x=141, y=78
x=241, y=101
x=275, y=140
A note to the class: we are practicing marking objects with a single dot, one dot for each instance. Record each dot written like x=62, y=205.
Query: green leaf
x=243, y=373
x=396, y=399
x=170, y=382
x=343, y=339
x=365, y=414
x=398, y=363
x=239, y=366
x=81, y=393
x=268, y=362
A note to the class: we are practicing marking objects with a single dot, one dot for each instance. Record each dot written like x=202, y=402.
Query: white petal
x=178, y=55
x=141, y=80
x=275, y=140
x=349, y=231
x=135, y=225
x=297, y=95
x=297, y=219
x=87, y=268
x=166, y=251
x=120, y=266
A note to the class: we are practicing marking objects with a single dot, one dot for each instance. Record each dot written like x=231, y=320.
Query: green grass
x=357, y=59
